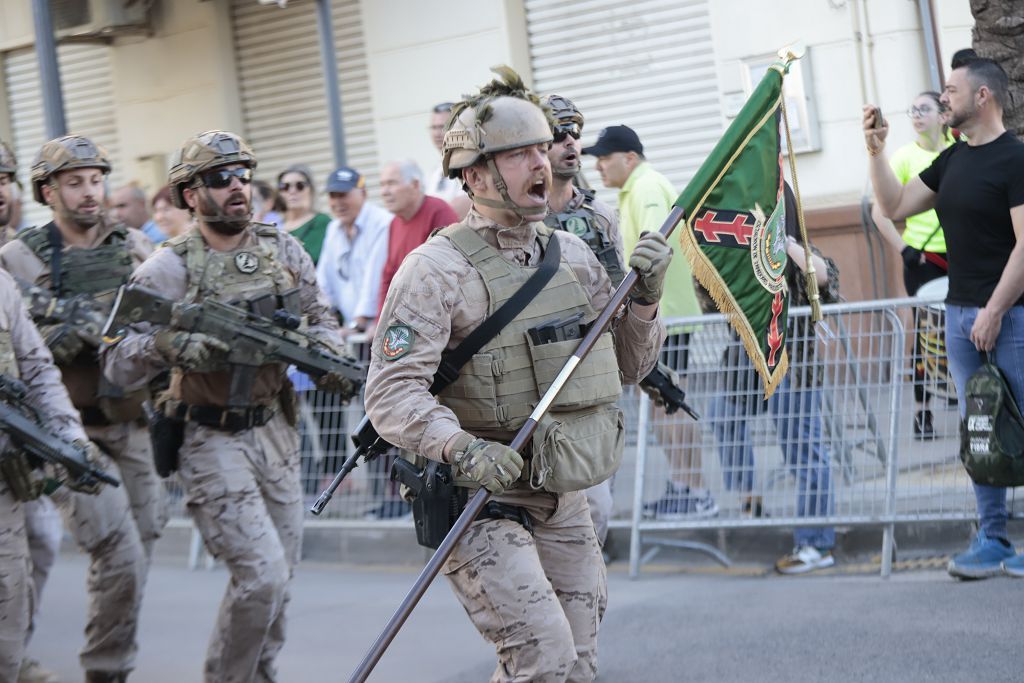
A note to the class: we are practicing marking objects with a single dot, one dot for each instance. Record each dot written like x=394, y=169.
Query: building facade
x=675, y=70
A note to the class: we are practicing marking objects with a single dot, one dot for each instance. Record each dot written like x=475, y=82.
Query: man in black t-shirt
x=977, y=189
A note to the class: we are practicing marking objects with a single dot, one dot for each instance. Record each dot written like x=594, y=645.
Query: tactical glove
x=94, y=456
x=650, y=260
x=63, y=342
x=188, y=350
x=493, y=465
x=337, y=383
x=658, y=398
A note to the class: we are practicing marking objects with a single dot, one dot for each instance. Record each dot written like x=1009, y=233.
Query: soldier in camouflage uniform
x=239, y=458
x=529, y=571
x=80, y=253
x=580, y=212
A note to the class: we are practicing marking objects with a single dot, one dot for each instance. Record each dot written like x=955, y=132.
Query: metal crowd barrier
x=842, y=455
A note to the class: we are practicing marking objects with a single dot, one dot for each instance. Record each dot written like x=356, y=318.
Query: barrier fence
x=836, y=446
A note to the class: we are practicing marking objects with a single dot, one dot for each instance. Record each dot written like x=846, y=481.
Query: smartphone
x=879, y=121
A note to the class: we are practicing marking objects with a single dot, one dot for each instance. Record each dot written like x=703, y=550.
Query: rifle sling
x=452, y=361
x=56, y=250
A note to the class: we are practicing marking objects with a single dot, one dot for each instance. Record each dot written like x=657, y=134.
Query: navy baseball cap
x=615, y=139
x=344, y=179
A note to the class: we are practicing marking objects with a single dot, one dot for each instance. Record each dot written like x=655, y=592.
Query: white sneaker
x=803, y=559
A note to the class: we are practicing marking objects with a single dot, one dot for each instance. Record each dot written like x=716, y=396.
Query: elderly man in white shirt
x=354, y=251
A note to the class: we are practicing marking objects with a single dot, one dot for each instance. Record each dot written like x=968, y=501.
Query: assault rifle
x=672, y=395
x=255, y=340
x=81, y=313
x=24, y=425
x=368, y=445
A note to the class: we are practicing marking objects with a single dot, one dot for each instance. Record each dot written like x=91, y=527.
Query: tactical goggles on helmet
x=220, y=178
x=561, y=130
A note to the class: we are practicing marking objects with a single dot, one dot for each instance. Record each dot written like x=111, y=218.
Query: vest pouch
x=594, y=382
x=472, y=397
x=574, y=451
x=127, y=408
x=992, y=432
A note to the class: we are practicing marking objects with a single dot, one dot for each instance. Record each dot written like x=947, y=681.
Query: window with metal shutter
x=647, y=64
x=284, y=106
x=88, y=105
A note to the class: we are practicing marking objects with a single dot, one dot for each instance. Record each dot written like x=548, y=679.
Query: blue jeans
x=798, y=427
x=964, y=360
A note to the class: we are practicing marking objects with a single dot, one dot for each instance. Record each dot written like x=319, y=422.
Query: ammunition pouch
x=118, y=406
x=437, y=502
x=24, y=481
x=577, y=450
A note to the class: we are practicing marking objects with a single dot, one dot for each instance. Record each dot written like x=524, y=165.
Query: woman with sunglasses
x=922, y=245
x=295, y=187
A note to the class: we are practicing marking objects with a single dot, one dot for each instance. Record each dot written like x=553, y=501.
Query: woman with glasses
x=301, y=219
x=922, y=245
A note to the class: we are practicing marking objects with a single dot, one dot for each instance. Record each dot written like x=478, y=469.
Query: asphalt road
x=668, y=626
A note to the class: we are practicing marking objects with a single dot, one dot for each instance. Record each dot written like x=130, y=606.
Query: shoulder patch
x=397, y=341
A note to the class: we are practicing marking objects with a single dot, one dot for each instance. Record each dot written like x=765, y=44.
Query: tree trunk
x=999, y=34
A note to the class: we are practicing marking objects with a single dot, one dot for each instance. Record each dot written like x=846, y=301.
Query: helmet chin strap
x=524, y=212
x=220, y=216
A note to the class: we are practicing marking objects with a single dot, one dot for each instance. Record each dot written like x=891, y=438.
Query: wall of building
x=176, y=83
x=436, y=52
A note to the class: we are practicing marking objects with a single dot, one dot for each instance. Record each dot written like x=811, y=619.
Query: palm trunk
x=999, y=34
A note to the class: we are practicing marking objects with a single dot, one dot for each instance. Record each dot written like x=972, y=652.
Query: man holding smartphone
x=977, y=189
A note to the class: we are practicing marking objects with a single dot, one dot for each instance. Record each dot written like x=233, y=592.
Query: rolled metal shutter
x=284, y=107
x=647, y=64
x=88, y=89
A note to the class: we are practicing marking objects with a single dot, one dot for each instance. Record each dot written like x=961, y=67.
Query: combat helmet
x=201, y=153
x=8, y=164
x=563, y=111
x=503, y=115
x=64, y=154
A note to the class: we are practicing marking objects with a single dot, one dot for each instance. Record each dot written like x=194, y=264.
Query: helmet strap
x=502, y=187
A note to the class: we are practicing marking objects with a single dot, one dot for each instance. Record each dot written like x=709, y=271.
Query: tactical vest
x=583, y=222
x=235, y=277
x=97, y=271
x=500, y=386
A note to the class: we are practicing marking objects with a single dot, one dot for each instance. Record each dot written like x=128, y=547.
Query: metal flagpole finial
x=792, y=52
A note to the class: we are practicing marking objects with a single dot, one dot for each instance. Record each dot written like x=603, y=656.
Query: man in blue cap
x=354, y=250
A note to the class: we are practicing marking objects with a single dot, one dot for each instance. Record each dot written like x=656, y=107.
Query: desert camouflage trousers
x=16, y=594
x=103, y=527
x=44, y=531
x=245, y=497
x=538, y=598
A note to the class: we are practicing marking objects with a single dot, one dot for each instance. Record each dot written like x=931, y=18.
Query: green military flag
x=735, y=230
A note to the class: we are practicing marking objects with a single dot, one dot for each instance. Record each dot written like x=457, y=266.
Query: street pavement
x=673, y=624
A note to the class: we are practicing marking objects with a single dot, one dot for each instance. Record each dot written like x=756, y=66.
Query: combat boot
x=106, y=677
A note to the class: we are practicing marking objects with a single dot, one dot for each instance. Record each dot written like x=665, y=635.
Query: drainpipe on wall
x=329, y=62
x=49, y=71
x=869, y=94
x=931, y=44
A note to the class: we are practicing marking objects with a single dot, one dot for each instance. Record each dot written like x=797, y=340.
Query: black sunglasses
x=300, y=185
x=565, y=129
x=221, y=177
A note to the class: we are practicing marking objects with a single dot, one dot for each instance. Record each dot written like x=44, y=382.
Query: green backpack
x=992, y=431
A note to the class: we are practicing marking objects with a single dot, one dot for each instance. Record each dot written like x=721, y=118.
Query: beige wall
x=178, y=82
x=889, y=67
x=436, y=52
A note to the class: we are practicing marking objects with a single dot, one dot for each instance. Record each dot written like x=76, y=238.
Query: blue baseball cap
x=345, y=179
